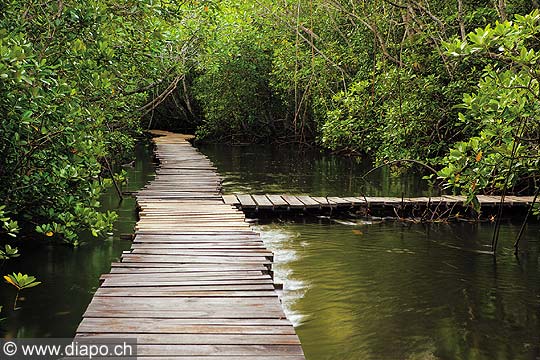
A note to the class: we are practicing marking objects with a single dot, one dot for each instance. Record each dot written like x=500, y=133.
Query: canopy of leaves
x=73, y=77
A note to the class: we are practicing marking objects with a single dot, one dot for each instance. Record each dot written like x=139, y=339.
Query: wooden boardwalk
x=197, y=282
x=277, y=202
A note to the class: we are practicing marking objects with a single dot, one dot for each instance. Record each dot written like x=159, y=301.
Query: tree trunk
x=501, y=8
x=460, y=19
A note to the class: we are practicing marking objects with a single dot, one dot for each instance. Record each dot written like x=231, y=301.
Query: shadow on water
x=70, y=276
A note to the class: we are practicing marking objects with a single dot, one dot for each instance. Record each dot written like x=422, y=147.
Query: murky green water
x=387, y=290
x=69, y=276
x=288, y=169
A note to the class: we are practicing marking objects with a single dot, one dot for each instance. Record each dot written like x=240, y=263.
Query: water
x=288, y=169
x=69, y=275
x=388, y=290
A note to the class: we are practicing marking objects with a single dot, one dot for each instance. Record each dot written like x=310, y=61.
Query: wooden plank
x=216, y=245
x=355, y=200
x=453, y=199
x=200, y=252
x=211, y=350
x=145, y=292
x=246, y=201
x=190, y=267
x=227, y=283
x=277, y=200
x=339, y=201
x=230, y=199
x=308, y=201
x=262, y=201
x=213, y=357
x=322, y=200
x=173, y=326
x=189, y=313
x=194, y=259
x=485, y=199
x=205, y=339
x=187, y=275
x=293, y=201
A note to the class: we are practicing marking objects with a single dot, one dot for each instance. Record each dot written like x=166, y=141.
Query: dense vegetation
x=74, y=81
x=390, y=79
x=401, y=79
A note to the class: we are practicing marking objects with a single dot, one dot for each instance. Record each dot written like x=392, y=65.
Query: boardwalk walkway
x=197, y=282
x=276, y=202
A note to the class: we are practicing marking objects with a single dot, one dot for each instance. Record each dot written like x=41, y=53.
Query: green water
x=69, y=276
x=385, y=290
x=288, y=169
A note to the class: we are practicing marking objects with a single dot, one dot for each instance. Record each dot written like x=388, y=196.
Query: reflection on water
x=390, y=291
x=290, y=169
x=385, y=290
x=69, y=276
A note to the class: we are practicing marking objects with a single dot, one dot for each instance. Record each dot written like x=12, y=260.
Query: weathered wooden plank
x=173, y=326
x=232, y=284
x=208, y=252
x=262, y=201
x=308, y=201
x=354, y=200
x=293, y=201
x=243, y=246
x=230, y=199
x=206, y=339
x=453, y=198
x=204, y=314
x=246, y=201
x=322, y=200
x=172, y=291
x=208, y=350
x=190, y=267
x=339, y=201
x=486, y=199
x=183, y=275
x=194, y=259
x=277, y=200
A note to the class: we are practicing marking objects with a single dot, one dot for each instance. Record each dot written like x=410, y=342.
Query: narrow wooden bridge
x=197, y=283
x=289, y=202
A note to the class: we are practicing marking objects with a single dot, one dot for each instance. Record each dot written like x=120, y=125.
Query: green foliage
x=20, y=281
x=9, y=252
x=504, y=111
x=233, y=66
x=380, y=79
x=369, y=78
x=9, y=228
x=69, y=98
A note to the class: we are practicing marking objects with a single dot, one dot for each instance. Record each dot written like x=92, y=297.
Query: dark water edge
x=70, y=276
